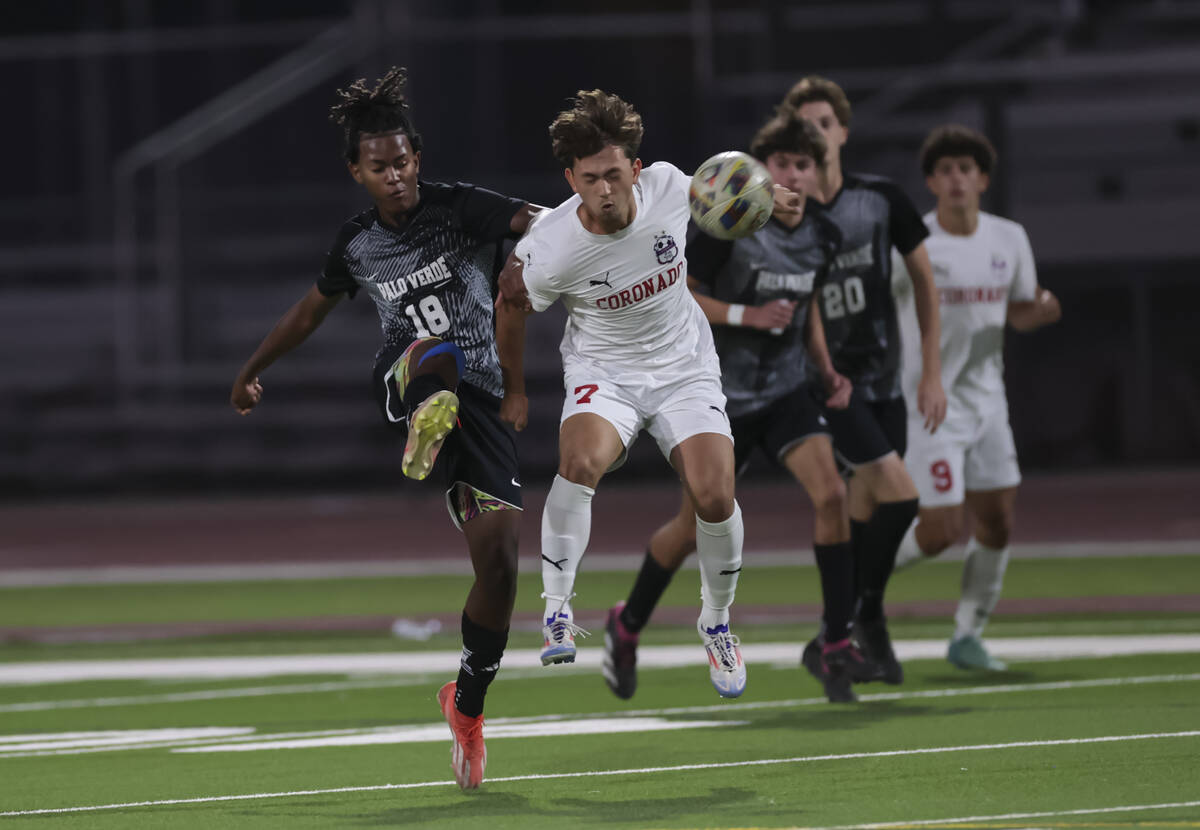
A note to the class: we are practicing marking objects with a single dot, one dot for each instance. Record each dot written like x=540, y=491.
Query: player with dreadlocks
x=428, y=254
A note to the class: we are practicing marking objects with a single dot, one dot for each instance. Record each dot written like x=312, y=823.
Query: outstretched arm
x=524, y=217
x=510, y=345
x=510, y=287
x=931, y=397
x=292, y=329
x=1043, y=310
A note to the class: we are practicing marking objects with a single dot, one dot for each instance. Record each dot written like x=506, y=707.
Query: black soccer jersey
x=857, y=308
x=776, y=263
x=435, y=276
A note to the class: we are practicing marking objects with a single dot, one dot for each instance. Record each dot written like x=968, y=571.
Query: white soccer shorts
x=671, y=412
x=976, y=456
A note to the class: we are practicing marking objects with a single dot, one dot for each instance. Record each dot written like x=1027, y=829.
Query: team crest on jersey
x=665, y=248
x=999, y=263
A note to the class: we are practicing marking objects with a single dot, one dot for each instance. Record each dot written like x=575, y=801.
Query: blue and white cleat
x=559, y=632
x=725, y=666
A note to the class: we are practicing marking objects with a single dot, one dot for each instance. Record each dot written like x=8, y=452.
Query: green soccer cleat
x=427, y=429
x=969, y=653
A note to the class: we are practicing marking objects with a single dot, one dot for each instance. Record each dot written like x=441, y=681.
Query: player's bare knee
x=994, y=532
x=582, y=467
x=714, y=504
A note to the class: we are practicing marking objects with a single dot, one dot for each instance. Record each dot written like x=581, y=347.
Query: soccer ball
x=732, y=195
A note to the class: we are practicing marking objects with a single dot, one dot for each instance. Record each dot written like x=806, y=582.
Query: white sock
x=983, y=576
x=719, y=549
x=566, y=526
x=909, y=551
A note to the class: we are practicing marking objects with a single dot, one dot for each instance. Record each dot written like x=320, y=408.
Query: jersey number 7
x=429, y=316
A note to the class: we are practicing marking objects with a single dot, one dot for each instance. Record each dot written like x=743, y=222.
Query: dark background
x=172, y=184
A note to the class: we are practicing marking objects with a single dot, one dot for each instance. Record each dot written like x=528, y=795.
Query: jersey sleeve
x=901, y=280
x=706, y=256
x=536, y=272
x=905, y=225
x=1024, y=284
x=335, y=277
x=484, y=213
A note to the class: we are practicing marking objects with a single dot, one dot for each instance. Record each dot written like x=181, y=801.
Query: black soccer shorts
x=777, y=427
x=480, y=452
x=866, y=431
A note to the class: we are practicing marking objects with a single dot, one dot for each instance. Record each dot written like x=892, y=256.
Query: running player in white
x=637, y=353
x=985, y=276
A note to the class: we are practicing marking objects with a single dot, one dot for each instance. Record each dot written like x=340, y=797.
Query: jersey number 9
x=842, y=298
x=428, y=316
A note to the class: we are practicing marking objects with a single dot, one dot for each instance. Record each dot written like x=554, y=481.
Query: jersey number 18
x=842, y=298
x=428, y=316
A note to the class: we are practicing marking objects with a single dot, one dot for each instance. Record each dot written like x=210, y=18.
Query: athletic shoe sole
x=558, y=654
x=427, y=429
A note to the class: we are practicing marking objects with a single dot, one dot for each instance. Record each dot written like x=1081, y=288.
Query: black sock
x=882, y=537
x=482, y=649
x=835, y=563
x=421, y=387
x=652, y=581
x=862, y=563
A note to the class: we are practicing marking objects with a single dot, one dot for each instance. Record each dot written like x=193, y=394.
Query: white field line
x=436, y=733
x=352, y=685
x=496, y=726
x=437, y=662
x=117, y=736
x=214, y=694
x=240, y=740
x=596, y=561
x=933, y=822
x=801, y=759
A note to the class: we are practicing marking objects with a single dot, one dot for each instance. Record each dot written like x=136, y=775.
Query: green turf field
x=414, y=595
x=1096, y=742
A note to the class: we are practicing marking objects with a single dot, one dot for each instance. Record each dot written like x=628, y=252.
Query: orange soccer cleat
x=468, y=756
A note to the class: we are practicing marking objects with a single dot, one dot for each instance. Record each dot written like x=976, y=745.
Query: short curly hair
x=957, y=140
x=595, y=120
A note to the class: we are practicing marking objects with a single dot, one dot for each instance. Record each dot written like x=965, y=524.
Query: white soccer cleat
x=726, y=668
x=559, y=632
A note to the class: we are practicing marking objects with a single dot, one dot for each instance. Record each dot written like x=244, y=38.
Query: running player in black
x=755, y=292
x=858, y=314
x=427, y=254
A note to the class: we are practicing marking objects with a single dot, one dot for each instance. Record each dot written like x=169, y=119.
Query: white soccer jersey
x=977, y=276
x=630, y=314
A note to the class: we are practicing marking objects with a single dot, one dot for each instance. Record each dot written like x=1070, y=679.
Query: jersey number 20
x=842, y=298
x=428, y=316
